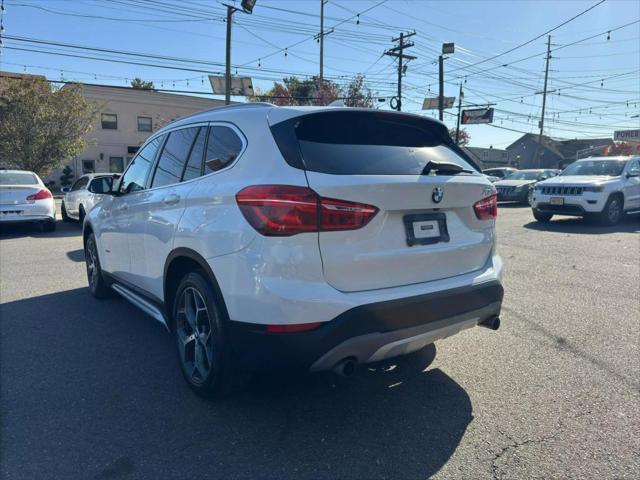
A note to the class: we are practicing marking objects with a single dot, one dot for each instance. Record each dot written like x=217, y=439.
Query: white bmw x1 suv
x=313, y=239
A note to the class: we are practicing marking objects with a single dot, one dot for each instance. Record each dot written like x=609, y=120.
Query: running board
x=144, y=305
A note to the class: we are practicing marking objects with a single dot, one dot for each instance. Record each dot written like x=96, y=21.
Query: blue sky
x=595, y=81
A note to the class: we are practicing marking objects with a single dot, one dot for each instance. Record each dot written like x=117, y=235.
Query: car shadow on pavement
x=628, y=224
x=76, y=255
x=98, y=393
x=32, y=230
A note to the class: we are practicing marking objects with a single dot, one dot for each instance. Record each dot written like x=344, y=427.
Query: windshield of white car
x=609, y=168
x=17, y=178
x=523, y=175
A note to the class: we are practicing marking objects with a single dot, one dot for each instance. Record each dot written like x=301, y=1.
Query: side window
x=173, y=157
x=223, y=147
x=100, y=185
x=81, y=182
x=194, y=164
x=135, y=176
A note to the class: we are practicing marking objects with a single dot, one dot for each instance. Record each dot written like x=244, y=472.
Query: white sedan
x=25, y=199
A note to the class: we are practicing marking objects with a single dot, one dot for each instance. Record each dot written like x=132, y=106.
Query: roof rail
x=225, y=107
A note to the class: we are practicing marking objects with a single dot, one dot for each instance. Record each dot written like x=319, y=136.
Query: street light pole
x=247, y=7
x=227, y=72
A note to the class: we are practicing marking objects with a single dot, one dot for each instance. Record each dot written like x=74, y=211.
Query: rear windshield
x=15, y=178
x=610, y=168
x=366, y=143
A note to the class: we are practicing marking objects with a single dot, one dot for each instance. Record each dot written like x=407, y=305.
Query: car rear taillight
x=41, y=195
x=284, y=210
x=487, y=208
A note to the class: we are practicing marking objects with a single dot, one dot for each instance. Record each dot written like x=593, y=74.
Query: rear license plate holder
x=426, y=228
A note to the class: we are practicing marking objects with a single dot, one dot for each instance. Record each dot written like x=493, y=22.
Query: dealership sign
x=432, y=103
x=477, y=115
x=627, y=136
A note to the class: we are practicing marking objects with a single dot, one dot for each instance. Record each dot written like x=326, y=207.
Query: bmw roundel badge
x=437, y=195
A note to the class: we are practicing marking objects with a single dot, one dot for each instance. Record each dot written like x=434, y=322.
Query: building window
x=116, y=164
x=109, y=121
x=144, y=124
x=132, y=150
x=485, y=154
x=88, y=166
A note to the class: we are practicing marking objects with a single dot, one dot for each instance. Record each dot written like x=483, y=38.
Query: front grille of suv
x=562, y=190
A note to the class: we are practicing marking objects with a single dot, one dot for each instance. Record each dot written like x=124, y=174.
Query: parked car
x=499, y=172
x=518, y=187
x=84, y=194
x=491, y=178
x=310, y=239
x=25, y=199
x=601, y=187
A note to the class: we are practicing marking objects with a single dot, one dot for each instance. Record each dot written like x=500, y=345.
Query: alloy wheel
x=614, y=210
x=195, y=338
x=92, y=263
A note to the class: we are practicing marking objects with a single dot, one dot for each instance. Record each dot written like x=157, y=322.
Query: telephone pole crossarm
x=398, y=52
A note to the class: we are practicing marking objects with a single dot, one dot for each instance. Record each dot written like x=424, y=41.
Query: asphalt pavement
x=92, y=389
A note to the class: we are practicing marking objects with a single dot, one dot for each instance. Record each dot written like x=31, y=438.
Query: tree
x=358, y=93
x=294, y=91
x=67, y=176
x=41, y=126
x=142, y=84
x=464, y=137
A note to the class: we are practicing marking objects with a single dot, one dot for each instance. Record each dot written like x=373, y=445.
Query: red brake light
x=41, y=195
x=487, y=208
x=284, y=210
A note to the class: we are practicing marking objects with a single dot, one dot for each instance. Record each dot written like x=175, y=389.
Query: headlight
x=595, y=188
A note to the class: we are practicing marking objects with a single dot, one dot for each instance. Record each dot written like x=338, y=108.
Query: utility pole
x=247, y=7
x=398, y=52
x=227, y=71
x=441, y=88
x=536, y=158
x=460, y=95
x=321, y=42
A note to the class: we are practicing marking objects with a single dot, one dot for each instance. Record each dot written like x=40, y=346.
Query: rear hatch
x=15, y=187
x=426, y=227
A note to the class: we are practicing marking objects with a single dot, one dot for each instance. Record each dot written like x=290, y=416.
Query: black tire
x=65, y=218
x=542, y=217
x=203, y=351
x=97, y=284
x=81, y=215
x=49, y=226
x=612, y=211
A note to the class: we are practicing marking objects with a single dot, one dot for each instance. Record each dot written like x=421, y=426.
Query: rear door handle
x=171, y=199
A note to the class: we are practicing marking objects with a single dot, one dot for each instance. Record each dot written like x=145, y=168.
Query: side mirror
x=65, y=189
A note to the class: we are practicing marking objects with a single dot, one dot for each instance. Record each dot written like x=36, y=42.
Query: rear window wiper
x=443, y=168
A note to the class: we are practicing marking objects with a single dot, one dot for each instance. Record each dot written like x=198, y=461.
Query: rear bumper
x=370, y=332
x=38, y=211
x=6, y=219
